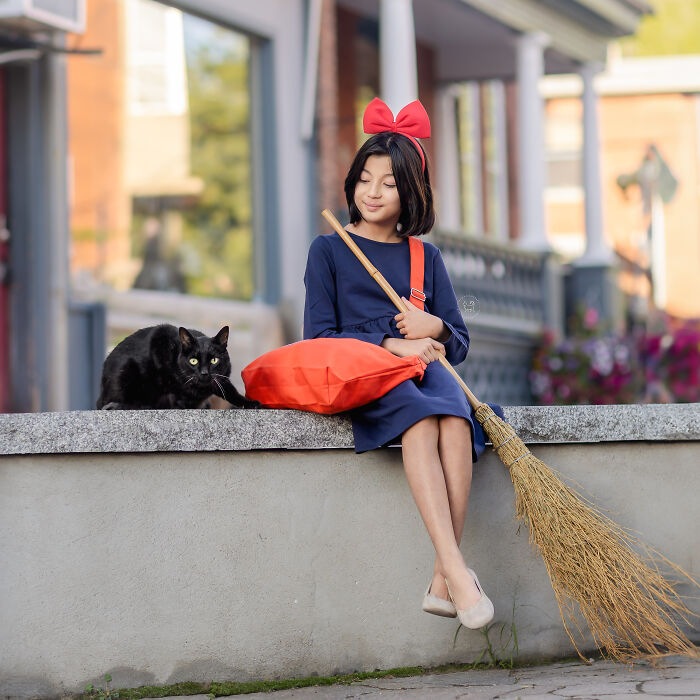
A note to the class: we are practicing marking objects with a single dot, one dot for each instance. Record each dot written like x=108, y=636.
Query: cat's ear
x=186, y=338
x=222, y=336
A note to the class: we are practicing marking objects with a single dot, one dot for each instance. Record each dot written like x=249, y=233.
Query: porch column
x=531, y=163
x=593, y=279
x=447, y=191
x=597, y=250
x=397, y=47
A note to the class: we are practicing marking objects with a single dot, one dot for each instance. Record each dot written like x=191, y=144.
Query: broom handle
x=379, y=279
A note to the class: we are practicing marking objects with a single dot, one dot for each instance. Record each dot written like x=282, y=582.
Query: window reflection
x=160, y=152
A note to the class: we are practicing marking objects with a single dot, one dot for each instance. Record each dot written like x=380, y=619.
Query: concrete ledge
x=210, y=431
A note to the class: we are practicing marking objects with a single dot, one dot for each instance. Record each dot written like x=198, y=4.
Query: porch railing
x=507, y=297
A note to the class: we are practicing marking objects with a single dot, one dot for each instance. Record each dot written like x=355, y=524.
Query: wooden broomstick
x=627, y=603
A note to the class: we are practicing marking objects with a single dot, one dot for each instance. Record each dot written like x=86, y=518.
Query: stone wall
x=163, y=546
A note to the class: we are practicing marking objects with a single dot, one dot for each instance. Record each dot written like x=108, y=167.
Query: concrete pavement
x=674, y=677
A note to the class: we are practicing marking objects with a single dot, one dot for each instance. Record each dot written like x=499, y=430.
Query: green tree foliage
x=674, y=28
x=217, y=239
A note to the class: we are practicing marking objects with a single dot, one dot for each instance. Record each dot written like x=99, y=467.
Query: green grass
x=220, y=689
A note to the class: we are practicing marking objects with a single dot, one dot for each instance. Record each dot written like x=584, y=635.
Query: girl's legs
x=455, y=450
x=428, y=483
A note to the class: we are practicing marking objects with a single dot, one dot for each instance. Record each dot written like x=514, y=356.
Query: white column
x=397, y=47
x=447, y=190
x=531, y=157
x=597, y=250
x=472, y=200
x=499, y=217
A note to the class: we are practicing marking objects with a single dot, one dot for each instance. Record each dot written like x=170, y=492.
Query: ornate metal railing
x=507, y=296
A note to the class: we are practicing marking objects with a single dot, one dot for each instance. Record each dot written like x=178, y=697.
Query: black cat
x=165, y=367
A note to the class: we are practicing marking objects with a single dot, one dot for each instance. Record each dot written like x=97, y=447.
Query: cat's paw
x=249, y=403
x=111, y=406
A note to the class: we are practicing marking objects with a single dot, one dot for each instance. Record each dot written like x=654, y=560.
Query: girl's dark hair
x=413, y=183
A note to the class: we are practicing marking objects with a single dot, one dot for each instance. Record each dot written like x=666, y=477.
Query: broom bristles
x=630, y=608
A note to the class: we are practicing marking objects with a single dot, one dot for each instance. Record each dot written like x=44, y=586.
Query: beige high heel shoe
x=438, y=606
x=475, y=616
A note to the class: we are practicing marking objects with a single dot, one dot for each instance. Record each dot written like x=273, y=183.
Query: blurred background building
x=650, y=137
x=168, y=162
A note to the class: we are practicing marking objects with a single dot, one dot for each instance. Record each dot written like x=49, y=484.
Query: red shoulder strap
x=417, y=297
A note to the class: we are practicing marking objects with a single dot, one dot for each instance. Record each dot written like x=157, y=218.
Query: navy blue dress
x=343, y=301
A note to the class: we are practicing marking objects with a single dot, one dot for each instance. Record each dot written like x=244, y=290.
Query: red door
x=4, y=262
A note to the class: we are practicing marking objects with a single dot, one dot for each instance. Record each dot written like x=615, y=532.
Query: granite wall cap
x=270, y=429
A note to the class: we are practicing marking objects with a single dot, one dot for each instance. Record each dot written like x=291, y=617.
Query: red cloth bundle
x=327, y=375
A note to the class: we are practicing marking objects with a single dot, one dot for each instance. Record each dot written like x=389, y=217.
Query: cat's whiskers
x=218, y=383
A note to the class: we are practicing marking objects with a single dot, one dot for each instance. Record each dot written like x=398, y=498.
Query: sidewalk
x=676, y=677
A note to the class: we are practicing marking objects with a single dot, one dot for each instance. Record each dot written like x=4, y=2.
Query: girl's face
x=376, y=195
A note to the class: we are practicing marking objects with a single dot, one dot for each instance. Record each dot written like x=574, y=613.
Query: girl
x=389, y=199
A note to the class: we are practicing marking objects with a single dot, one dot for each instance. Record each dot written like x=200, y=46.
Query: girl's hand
x=427, y=349
x=415, y=323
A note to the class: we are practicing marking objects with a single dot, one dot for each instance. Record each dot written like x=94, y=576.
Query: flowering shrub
x=596, y=366
x=671, y=360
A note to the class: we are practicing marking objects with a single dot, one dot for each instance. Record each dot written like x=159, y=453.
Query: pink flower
x=590, y=317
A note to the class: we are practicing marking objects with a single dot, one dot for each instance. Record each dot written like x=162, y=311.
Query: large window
x=160, y=153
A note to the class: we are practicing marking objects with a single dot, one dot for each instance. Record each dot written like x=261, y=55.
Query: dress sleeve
x=445, y=307
x=320, y=311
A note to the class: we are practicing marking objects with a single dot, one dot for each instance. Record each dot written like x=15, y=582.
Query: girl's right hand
x=427, y=349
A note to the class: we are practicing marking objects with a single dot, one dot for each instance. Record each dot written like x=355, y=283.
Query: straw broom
x=629, y=606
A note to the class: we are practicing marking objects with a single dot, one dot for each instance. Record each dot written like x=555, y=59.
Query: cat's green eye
x=215, y=360
x=194, y=361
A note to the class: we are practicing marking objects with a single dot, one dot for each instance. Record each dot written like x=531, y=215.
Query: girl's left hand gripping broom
x=628, y=605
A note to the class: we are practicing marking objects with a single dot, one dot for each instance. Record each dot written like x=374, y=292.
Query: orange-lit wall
x=99, y=215
x=628, y=124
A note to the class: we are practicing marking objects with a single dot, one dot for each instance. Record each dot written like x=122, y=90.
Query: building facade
x=650, y=171
x=167, y=161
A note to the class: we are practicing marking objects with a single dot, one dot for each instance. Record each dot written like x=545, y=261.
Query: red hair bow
x=412, y=121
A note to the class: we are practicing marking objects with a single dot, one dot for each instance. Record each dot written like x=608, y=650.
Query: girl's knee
x=454, y=422
x=429, y=423
x=455, y=425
